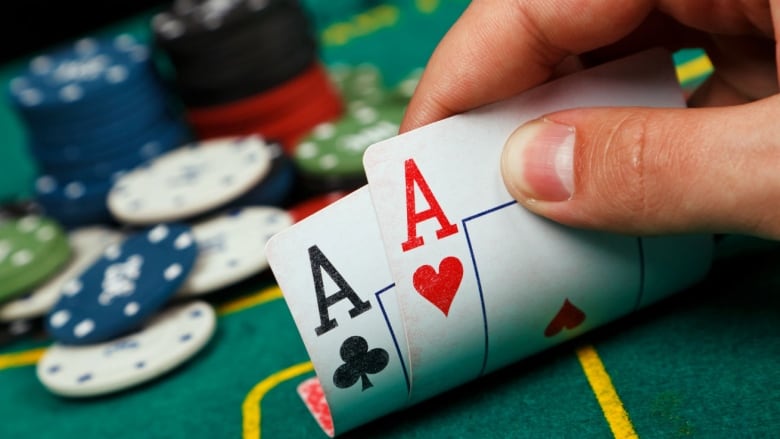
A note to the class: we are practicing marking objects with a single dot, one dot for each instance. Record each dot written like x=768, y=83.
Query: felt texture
x=704, y=363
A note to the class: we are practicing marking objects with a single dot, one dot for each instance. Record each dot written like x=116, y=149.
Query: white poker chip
x=167, y=341
x=231, y=247
x=87, y=244
x=191, y=180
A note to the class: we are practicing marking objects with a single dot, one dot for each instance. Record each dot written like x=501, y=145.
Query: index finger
x=499, y=48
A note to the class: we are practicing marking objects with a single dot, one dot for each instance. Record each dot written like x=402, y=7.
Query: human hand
x=714, y=168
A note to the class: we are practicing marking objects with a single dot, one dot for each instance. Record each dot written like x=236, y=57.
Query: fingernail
x=538, y=160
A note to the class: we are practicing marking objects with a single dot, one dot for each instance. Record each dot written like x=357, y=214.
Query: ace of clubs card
x=332, y=269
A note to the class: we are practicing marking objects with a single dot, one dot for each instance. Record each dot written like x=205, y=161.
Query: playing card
x=313, y=397
x=332, y=270
x=481, y=282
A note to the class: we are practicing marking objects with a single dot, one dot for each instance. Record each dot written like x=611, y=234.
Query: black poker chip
x=239, y=32
x=246, y=82
x=225, y=51
x=18, y=330
x=188, y=23
x=15, y=210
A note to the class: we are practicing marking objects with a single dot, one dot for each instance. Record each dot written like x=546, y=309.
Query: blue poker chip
x=147, y=93
x=50, y=189
x=73, y=203
x=76, y=75
x=141, y=119
x=128, y=284
x=90, y=160
x=274, y=189
x=76, y=215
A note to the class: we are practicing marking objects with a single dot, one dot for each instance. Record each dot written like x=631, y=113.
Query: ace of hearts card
x=432, y=275
x=482, y=282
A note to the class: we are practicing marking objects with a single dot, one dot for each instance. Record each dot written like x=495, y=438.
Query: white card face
x=541, y=286
x=481, y=282
x=333, y=272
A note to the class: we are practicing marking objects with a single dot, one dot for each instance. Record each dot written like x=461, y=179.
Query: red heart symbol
x=568, y=317
x=439, y=288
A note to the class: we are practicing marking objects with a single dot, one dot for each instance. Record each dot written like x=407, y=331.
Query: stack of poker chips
x=200, y=226
x=330, y=157
x=92, y=110
x=199, y=223
x=247, y=66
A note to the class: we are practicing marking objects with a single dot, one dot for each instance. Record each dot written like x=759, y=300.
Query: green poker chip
x=362, y=83
x=32, y=248
x=331, y=155
x=335, y=150
x=405, y=88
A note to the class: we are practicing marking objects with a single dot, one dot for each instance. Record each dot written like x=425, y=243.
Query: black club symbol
x=358, y=363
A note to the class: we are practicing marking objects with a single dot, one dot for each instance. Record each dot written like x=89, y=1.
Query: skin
x=633, y=170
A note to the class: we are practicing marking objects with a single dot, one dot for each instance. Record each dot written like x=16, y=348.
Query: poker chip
x=231, y=247
x=287, y=95
x=20, y=329
x=330, y=156
x=116, y=152
x=404, y=90
x=15, y=210
x=188, y=22
x=335, y=150
x=359, y=83
x=168, y=340
x=313, y=205
x=93, y=109
x=109, y=169
x=247, y=67
x=127, y=284
x=276, y=187
x=224, y=85
x=285, y=113
x=32, y=248
x=190, y=181
x=225, y=51
x=87, y=245
x=77, y=75
x=286, y=127
x=115, y=101
x=75, y=202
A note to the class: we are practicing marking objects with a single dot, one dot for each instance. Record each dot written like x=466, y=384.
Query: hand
x=628, y=170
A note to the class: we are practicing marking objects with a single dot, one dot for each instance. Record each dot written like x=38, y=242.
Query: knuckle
x=543, y=49
x=621, y=167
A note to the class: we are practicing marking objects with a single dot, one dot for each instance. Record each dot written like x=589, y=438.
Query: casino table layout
x=704, y=363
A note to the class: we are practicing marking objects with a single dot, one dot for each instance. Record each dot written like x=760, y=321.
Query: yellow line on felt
x=29, y=358
x=259, y=298
x=250, y=409
x=694, y=68
x=24, y=358
x=608, y=399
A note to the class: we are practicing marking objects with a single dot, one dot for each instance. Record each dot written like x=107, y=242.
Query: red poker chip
x=325, y=100
x=314, y=205
x=286, y=127
x=289, y=129
x=265, y=104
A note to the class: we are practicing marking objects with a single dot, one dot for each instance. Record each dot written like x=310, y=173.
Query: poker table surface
x=703, y=363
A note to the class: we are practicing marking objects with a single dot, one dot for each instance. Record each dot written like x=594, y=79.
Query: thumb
x=651, y=171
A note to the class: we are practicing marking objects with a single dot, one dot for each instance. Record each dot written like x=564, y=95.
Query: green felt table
x=704, y=363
